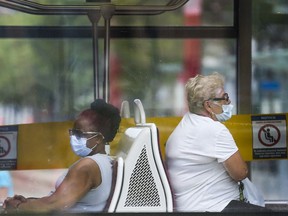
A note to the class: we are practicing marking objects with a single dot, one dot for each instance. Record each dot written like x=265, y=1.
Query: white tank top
x=95, y=200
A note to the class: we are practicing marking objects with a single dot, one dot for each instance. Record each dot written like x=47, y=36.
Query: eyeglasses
x=225, y=97
x=79, y=133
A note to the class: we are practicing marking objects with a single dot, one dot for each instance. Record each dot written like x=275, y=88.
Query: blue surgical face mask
x=226, y=114
x=79, y=147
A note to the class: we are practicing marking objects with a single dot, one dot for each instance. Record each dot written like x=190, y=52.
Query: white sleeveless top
x=95, y=200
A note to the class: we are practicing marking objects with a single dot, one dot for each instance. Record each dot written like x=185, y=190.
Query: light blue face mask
x=79, y=147
x=226, y=114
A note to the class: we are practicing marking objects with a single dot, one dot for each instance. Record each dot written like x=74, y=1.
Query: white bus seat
x=140, y=120
x=117, y=180
x=162, y=167
x=145, y=185
x=139, y=113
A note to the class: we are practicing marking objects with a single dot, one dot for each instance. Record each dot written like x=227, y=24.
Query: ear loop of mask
x=208, y=104
x=93, y=137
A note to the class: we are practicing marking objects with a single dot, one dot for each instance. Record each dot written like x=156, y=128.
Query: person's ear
x=207, y=104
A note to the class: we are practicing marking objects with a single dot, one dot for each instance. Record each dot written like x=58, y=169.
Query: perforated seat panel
x=142, y=190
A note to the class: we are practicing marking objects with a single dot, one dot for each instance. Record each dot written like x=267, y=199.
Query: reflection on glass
x=193, y=13
x=269, y=85
x=38, y=183
x=44, y=80
x=55, y=77
x=159, y=71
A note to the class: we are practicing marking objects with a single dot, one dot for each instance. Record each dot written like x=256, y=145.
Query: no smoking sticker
x=8, y=147
x=269, y=136
x=5, y=146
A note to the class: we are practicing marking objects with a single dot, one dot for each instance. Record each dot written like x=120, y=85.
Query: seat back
x=145, y=187
x=116, y=184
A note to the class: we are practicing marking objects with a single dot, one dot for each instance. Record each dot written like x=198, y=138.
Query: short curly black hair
x=111, y=118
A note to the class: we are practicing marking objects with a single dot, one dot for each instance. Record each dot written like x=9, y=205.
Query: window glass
x=156, y=71
x=51, y=80
x=35, y=183
x=269, y=85
x=194, y=13
x=44, y=80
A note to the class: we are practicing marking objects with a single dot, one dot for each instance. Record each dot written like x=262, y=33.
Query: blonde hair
x=202, y=88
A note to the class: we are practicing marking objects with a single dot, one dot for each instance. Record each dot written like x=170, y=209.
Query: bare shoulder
x=86, y=164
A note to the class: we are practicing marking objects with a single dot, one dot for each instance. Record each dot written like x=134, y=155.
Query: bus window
x=49, y=77
x=35, y=183
x=68, y=75
x=45, y=80
x=159, y=71
x=196, y=13
x=269, y=84
x=193, y=13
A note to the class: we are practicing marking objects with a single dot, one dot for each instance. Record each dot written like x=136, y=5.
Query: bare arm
x=236, y=167
x=82, y=177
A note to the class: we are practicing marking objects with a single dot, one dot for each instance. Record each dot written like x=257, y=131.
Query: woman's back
x=194, y=153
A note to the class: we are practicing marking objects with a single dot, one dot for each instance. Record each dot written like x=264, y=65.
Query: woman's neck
x=205, y=114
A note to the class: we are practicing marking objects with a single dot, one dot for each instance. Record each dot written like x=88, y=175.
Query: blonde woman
x=203, y=160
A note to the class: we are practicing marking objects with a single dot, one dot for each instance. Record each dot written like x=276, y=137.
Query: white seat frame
x=137, y=143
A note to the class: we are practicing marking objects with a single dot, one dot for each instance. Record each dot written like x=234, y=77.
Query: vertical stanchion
x=107, y=12
x=94, y=17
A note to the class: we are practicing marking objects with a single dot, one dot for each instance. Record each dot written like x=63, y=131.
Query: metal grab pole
x=94, y=16
x=107, y=12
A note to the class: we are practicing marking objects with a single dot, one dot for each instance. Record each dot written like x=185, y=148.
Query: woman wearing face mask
x=86, y=185
x=203, y=161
